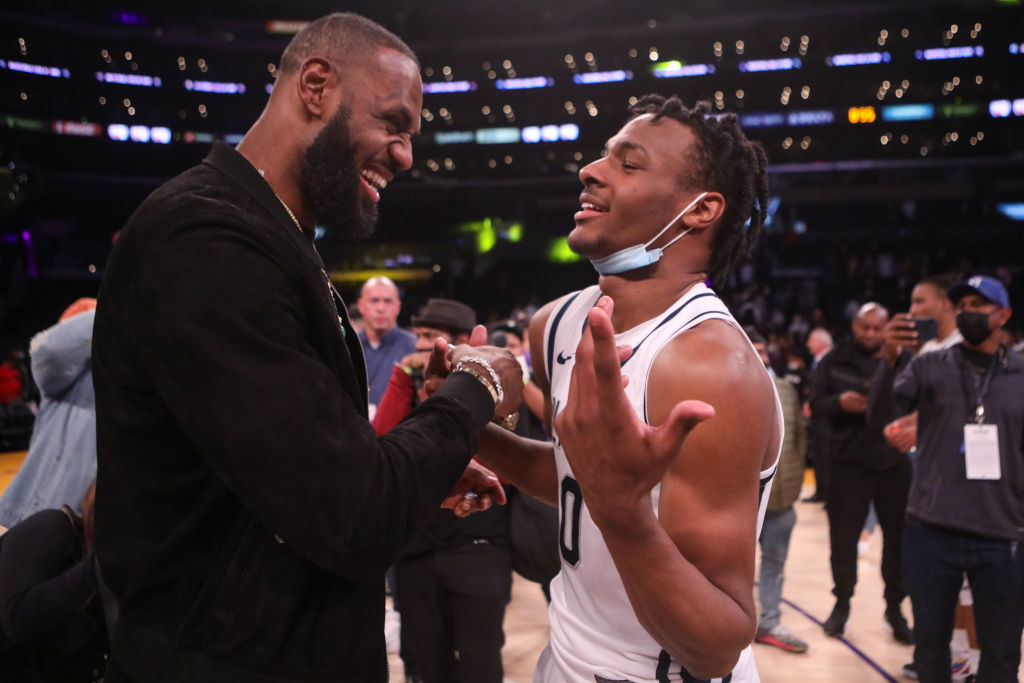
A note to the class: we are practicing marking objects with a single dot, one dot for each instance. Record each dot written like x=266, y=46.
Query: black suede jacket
x=246, y=510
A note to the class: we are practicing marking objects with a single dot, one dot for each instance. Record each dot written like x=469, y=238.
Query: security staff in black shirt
x=865, y=469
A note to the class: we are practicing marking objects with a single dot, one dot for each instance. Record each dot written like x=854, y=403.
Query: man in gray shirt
x=965, y=511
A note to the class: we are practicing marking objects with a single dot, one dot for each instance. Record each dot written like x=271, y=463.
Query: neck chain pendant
x=290, y=214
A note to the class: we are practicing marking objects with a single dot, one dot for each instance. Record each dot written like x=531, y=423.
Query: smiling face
x=635, y=188
x=364, y=143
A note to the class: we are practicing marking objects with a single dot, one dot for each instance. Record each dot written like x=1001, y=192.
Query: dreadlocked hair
x=724, y=161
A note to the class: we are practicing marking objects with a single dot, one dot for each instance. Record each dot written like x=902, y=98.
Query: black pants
x=115, y=675
x=453, y=607
x=817, y=449
x=851, y=489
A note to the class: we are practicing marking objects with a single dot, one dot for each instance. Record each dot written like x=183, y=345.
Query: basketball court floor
x=866, y=654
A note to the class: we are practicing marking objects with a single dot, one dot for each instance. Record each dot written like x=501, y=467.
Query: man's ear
x=1003, y=315
x=315, y=80
x=706, y=213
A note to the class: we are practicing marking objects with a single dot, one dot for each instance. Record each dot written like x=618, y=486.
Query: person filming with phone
x=965, y=512
x=931, y=315
x=930, y=325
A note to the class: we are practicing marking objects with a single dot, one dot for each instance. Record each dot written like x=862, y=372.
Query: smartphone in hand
x=926, y=328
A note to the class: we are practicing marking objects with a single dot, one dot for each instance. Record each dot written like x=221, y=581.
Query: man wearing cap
x=928, y=299
x=455, y=576
x=965, y=512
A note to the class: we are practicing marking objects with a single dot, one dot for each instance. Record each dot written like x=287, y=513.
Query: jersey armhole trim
x=552, y=331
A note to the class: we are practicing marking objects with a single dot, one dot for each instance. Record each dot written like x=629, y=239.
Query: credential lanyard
x=969, y=384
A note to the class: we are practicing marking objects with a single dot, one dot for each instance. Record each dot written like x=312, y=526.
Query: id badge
x=981, y=451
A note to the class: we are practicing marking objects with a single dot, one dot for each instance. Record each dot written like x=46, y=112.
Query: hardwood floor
x=9, y=464
x=866, y=653
x=807, y=592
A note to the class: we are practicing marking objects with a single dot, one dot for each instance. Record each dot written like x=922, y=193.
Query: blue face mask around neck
x=639, y=256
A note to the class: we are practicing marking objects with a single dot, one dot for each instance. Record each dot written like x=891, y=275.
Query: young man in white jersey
x=657, y=536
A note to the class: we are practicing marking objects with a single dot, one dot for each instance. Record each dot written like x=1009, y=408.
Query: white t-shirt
x=953, y=339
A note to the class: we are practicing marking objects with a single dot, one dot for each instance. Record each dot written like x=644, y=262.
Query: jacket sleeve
x=60, y=354
x=893, y=392
x=221, y=319
x=40, y=583
x=824, y=395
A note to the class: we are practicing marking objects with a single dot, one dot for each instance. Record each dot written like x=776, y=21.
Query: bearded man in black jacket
x=246, y=510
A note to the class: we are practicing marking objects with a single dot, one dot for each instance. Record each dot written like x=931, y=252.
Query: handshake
x=497, y=369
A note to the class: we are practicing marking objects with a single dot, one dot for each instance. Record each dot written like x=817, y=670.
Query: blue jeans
x=775, y=535
x=935, y=559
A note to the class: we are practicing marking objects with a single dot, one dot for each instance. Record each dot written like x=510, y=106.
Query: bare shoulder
x=715, y=363
x=710, y=495
x=712, y=357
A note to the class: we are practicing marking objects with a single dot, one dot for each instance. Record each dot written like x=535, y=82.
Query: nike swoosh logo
x=563, y=359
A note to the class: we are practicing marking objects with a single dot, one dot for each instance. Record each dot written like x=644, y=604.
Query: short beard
x=329, y=180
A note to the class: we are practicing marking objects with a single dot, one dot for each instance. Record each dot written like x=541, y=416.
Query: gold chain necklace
x=327, y=279
x=290, y=214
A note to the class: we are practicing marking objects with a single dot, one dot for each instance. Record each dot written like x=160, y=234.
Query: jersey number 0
x=571, y=502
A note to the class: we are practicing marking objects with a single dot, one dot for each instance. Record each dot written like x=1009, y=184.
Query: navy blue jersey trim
x=669, y=317
x=586, y=319
x=763, y=483
x=664, y=661
x=551, y=336
x=690, y=678
x=701, y=315
x=696, y=317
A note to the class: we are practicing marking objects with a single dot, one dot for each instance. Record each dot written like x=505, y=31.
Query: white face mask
x=639, y=256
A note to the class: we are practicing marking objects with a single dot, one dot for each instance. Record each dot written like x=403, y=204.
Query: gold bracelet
x=495, y=380
x=493, y=385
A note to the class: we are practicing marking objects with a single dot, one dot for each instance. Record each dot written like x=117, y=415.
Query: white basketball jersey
x=595, y=635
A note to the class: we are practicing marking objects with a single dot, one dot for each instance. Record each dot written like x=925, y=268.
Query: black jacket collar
x=228, y=161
